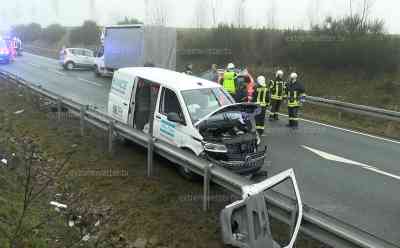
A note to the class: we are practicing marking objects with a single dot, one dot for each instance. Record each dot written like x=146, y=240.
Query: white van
x=191, y=113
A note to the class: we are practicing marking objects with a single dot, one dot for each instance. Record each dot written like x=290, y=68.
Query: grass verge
x=164, y=211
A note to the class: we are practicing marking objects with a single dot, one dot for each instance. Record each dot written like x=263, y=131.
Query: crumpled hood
x=248, y=110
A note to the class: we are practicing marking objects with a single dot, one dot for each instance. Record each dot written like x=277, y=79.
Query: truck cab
x=188, y=112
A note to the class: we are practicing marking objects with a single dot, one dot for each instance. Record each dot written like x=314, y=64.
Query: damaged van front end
x=230, y=138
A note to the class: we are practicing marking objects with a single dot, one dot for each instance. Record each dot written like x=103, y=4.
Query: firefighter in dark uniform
x=277, y=89
x=262, y=98
x=295, y=97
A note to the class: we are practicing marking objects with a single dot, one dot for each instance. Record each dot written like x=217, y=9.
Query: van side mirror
x=174, y=117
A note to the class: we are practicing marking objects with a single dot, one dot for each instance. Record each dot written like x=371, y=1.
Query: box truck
x=134, y=46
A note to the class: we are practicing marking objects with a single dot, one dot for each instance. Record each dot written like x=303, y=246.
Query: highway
x=348, y=175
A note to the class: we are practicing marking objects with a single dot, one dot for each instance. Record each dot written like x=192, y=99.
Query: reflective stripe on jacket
x=277, y=89
x=294, y=92
x=263, y=96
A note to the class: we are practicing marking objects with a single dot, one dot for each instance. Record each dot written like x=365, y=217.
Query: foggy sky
x=182, y=13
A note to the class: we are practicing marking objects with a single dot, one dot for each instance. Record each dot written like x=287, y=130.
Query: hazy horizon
x=190, y=13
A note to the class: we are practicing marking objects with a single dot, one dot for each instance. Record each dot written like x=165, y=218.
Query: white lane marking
x=34, y=65
x=349, y=131
x=335, y=158
x=89, y=82
x=58, y=72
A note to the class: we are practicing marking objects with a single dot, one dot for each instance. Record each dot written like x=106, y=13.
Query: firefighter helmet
x=279, y=74
x=293, y=76
x=231, y=66
x=261, y=81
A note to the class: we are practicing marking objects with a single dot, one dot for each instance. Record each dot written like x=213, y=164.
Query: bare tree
x=92, y=10
x=271, y=14
x=239, y=13
x=314, y=8
x=156, y=12
x=201, y=14
x=56, y=7
x=362, y=16
x=214, y=12
x=37, y=177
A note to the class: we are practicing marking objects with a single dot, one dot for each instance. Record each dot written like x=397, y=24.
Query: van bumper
x=250, y=165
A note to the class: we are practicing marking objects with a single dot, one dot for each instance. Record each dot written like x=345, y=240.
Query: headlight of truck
x=212, y=147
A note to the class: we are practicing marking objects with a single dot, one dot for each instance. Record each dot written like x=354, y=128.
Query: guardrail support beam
x=59, y=109
x=206, y=187
x=150, y=157
x=110, y=137
x=82, y=120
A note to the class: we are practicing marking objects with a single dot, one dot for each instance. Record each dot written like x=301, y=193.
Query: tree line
x=87, y=34
x=348, y=42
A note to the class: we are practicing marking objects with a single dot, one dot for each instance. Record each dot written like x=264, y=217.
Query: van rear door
x=119, y=101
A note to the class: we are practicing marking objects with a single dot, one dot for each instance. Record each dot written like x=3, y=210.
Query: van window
x=78, y=52
x=201, y=102
x=88, y=53
x=170, y=103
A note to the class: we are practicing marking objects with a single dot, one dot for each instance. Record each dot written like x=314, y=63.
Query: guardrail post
x=340, y=115
x=110, y=136
x=82, y=120
x=59, y=109
x=293, y=217
x=150, y=157
x=206, y=187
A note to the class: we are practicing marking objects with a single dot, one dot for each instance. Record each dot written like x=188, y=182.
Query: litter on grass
x=19, y=112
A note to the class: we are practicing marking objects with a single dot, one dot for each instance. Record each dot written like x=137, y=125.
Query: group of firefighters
x=269, y=96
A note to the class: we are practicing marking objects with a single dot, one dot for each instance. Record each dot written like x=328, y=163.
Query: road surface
x=351, y=176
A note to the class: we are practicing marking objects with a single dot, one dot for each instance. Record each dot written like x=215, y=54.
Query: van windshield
x=201, y=102
x=2, y=43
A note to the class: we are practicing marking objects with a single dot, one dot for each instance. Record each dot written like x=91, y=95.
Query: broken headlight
x=212, y=147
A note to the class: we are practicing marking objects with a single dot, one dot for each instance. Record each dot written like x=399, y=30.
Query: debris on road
x=4, y=161
x=86, y=237
x=19, y=112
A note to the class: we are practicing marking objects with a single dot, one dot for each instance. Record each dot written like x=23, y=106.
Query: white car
x=71, y=58
x=191, y=113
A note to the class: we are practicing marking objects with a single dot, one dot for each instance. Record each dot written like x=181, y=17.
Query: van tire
x=186, y=173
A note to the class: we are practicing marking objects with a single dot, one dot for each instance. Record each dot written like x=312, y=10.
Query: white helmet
x=231, y=66
x=261, y=81
x=279, y=73
x=293, y=76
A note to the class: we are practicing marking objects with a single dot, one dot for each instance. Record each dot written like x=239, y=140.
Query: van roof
x=174, y=80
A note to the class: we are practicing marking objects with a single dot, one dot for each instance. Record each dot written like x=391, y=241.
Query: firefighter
x=229, y=79
x=277, y=89
x=189, y=69
x=262, y=98
x=295, y=97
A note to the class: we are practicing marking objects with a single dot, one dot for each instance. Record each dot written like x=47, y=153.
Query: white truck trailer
x=135, y=46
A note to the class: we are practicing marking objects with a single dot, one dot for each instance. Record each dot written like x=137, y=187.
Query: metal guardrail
x=315, y=224
x=354, y=108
